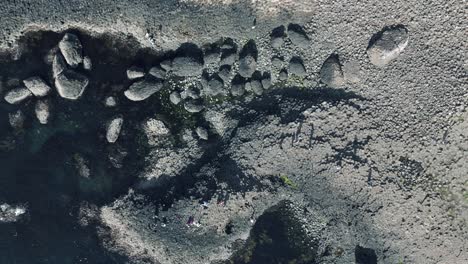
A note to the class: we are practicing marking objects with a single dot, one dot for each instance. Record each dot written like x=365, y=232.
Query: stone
x=166, y=64
x=17, y=95
x=387, y=45
x=113, y=129
x=16, y=119
x=12, y=214
x=175, y=98
x=87, y=63
x=277, y=62
x=283, y=75
x=277, y=37
x=70, y=84
x=351, y=71
x=154, y=127
x=215, y=86
x=256, y=86
x=117, y=155
x=58, y=65
x=212, y=56
x=298, y=36
x=296, y=67
x=135, y=72
x=42, y=110
x=228, y=58
x=188, y=61
x=331, y=73
x=248, y=86
x=189, y=92
x=224, y=73
x=37, y=86
x=110, y=101
x=71, y=49
x=247, y=66
x=143, y=89
x=193, y=106
x=266, y=80
x=237, y=89
x=202, y=133
x=158, y=72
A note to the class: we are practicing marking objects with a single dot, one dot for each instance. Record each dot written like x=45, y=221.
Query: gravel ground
x=370, y=160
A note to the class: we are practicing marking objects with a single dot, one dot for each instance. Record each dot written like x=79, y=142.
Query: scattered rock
x=202, y=133
x=283, y=75
x=87, y=63
x=188, y=61
x=256, y=86
x=42, y=110
x=277, y=61
x=387, y=45
x=331, y=73
x=37, y=86
x=113, y=129
x=70, y=84
x=277, y=37
x=143, y=89
x=215, y=86
x=175, y=98
x=135, y=72
x=298, y=36
x=110, y=101
x=17, y=95
x=71, y=49
x=158, y=72
x=266, y=80
x=58, y=64
x=296, y=67
x=16, y=120
x=193, y=106
x=248, y=59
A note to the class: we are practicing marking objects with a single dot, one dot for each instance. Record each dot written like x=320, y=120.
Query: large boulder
x=143, y=89
x=71, y=48
x=70, y=84
x=387, y=45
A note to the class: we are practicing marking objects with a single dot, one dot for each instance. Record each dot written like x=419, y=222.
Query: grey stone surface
x=175, y=98
x=387, y=45
x=113, y=128
x=17, y=95
x=331, y=72
x=135, y=72
x=157, y=72
x=58, y=64
x=247, y=66
x=71, y=85
x=193, y=106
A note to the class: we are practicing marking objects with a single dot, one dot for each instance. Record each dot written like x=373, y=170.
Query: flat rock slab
x=17, y=95
x=37, y=86
x=71, y=85
x=71, y=49
x=387, y=45
x=143, y=89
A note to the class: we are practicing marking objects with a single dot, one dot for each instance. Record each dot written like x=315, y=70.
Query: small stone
x=37, y=86
x=71, y=49
x=237, y=89
x=256, y=87
x=58, y=64
x=277, y=62
x=202, y=133
x=113, y=129
x=331, y=73
x=135, y=73
x=71, y=85
x=16, y=119
x=296, y=67
x=215, y=86
x=110, y=101
x=17, y=95
x=175, y=98
x=266, y=80
x=351, y=72
x=87, y=63
x=283, y=75
x=143, y=89
x=42, y=110
x=157, y=72
x=166, y=64
x=193, y=106
x=298, y=36
x=247, y=66
x=387, y=45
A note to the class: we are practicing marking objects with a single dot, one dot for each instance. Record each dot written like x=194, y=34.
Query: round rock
x=175, y=98
x=70, y=84
x=71, y=49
